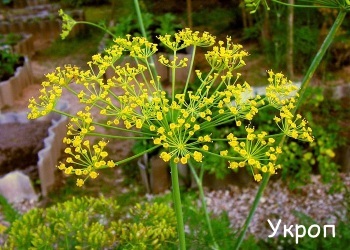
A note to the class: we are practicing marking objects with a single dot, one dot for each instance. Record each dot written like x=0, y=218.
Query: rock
x=184, y=175
x=13, y=117
x=17, y=187
x=7, y=118
x=22, y=117
x=159, y=175
x=143, y=167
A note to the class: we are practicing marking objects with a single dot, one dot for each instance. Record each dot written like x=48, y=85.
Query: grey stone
x=159, y=175
x=8, y=118
x=143, y=167
x=184, y=174
x=22, y=117
x=17, y=187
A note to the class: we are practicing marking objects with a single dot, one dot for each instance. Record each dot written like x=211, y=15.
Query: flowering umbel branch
x=180, y=125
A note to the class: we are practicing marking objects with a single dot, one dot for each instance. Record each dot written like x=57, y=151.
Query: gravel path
x=279, y=203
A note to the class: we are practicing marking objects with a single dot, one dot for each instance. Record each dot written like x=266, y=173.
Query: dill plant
x=94, y=223
x=177, y=122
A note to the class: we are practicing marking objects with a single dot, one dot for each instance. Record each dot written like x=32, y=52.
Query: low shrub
x=94, y=223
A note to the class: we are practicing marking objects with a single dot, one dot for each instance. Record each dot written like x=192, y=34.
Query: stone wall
x=25, y=47
x=12, y=88
x=42, y=21
x=50, y=154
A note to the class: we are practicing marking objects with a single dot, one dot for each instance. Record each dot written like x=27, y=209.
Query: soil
x=20, y=144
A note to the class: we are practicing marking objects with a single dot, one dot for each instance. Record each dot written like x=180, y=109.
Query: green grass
x=121, y=8
x=83, y=45
x=7, y=210
x=97, y=14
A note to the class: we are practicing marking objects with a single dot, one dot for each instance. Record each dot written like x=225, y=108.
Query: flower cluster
x=294, y=127
x=178, y=123
x=280, y=90
x=67, y=23
x=52, y=91
x=185, y=38
x=85, y=159
x=256, y=151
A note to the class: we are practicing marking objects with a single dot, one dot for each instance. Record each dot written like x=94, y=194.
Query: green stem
x=63, y=113
x=119, y=136
x=173, y=78
x=316, y=61
x=305, y=6
x=239, y=158
x=190, y=69
x=258, y=195
x=109, y=126
x=319, y=56
x=143, y=32
x=177, y=204
x=204, y=204
x=139, y=18
x=132, y=157
x=97, y=26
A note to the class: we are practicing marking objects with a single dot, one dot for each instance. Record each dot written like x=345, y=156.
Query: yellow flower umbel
x=51, y=91
x=257, y=151
x=280, y=90
x=67, y=23
x=178, y=123
x=84, y=160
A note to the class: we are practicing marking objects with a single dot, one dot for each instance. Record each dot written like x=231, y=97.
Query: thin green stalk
x=173, y=78
x=62, y=113
x=139, y=18
x=190, y=69
x=132, y=157
x=143, y=32
x=306, y=81
x=321, y=52
x=119, y=136
x=177, y=204
x=305, y=6
x=253, y=208
x=97, y=26
x=220, y=156
x=199, y=182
